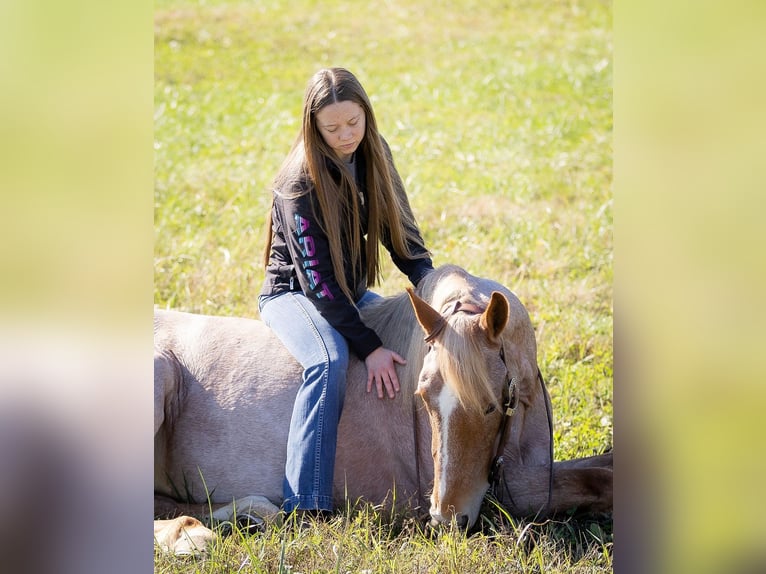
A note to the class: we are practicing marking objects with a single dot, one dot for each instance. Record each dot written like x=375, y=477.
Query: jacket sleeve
x=309, y=248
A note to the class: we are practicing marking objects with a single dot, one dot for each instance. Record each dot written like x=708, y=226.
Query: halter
x=509, y=407
x=496, y=477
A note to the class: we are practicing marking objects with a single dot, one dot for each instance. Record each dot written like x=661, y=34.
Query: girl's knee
x=337, y=356
x=337, y=366
x=332, y=367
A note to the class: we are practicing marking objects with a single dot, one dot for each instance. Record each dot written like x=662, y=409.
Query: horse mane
x=463, y=364
x=462, y=361
x=393, y=319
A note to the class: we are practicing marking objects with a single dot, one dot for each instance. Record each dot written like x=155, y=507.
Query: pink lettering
x=309, y=249
x=301, y=223
x=326, y=292
x=314, y=278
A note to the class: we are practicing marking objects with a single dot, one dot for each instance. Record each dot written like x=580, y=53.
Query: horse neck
x=394, y=322
x=531, y=444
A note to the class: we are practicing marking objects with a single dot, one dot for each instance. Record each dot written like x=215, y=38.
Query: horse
x=473, y=409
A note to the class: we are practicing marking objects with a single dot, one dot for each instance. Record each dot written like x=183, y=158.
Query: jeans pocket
x=263, y=299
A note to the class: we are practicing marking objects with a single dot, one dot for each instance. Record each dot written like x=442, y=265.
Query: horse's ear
x=427, y=316
x=495, y=317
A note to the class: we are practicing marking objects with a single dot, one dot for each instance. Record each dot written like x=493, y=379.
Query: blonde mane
x=394, y=322
x=462, y=359
x=463, y=363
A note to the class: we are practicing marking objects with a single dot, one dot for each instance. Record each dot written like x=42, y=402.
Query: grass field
x=499, y=115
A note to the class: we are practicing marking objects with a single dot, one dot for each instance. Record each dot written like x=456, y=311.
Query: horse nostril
x=461, y=520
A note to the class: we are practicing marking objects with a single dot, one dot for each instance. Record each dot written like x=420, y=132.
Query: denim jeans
x=323, y=353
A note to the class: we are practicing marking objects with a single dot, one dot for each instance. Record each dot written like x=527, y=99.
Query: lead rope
x=416, y=437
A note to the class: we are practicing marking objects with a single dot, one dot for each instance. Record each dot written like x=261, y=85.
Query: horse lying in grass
x=473, y=409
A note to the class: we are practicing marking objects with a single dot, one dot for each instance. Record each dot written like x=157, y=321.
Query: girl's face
x=342, y=127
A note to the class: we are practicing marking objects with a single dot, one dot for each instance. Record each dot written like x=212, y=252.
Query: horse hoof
x=250, y=524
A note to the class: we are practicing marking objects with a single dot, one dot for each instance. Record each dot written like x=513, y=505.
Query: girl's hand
x=382, y=371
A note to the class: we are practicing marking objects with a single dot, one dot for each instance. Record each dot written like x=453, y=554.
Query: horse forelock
x=463, y=363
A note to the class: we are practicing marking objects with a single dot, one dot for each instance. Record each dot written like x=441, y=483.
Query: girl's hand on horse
x=382, y=371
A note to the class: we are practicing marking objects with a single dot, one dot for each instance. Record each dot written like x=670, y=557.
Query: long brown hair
x=306, y=169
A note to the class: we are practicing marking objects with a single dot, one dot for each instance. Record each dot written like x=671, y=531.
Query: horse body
x=223, y=403
x=224, y=390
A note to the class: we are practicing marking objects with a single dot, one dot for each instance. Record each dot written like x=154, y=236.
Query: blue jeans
x=323, y=353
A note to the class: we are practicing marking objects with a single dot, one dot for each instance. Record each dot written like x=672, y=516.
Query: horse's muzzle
x=459, y=521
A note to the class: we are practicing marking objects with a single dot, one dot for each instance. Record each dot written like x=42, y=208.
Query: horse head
x=466, y=388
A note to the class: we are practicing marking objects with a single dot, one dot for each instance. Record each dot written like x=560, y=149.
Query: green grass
x=362, y=540
x=499, y=114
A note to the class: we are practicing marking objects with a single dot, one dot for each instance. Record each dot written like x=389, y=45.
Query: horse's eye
x=490, y=409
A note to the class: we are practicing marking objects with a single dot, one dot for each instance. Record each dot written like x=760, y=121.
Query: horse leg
x=597, y=461
x=252, y=509
x=183, y=535
x=584, y=488
x=575, y=487
x=166, y=508
x=185, y=528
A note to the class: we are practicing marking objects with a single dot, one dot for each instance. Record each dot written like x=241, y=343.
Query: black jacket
x=300, y=261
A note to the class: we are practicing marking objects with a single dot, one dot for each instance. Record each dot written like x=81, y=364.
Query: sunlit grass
x=364, y=540
x=499, y=114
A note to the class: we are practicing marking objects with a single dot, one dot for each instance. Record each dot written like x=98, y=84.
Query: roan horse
x=472, y=404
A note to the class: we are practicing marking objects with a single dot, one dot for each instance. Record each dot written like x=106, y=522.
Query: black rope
x=416, y=436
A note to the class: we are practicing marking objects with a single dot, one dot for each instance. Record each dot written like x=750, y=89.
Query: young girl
x=336, y=197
